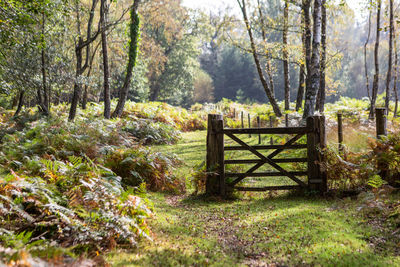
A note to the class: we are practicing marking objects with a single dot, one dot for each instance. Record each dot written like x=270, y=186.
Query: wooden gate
x=220, y=182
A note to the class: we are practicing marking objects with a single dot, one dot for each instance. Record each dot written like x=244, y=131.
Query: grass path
x=255, y=230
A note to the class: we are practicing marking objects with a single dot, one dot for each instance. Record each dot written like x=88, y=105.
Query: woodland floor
x=257, y=229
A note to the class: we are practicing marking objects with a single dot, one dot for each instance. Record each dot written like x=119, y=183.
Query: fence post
x=316, y=143
x=271, y=124
x=215, y=183
x=248, y=117
x=380, y=131
x=258, y=125
x=286, y=120
x=340, y=132
x=242, y=119
x=380, y=122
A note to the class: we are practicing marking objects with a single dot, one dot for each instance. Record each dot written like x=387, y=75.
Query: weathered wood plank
x=278, y=130
x=380, y=122
x=215, y=155
x=288, y=143
x=340, y=132
x=265, y=160
x=234, y=148
x=266, y=174
x=250, y=161
x=266, y=188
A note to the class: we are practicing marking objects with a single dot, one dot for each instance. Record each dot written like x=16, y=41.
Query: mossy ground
x=257, y=229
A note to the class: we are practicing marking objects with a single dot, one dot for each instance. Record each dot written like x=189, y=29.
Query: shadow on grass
x=164, y=257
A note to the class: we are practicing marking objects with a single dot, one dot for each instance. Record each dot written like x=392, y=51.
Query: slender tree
x=79, y=47
x=321, y=92
x=302, y=71
x=272, y=100
x=106, y=70
x=133, y=53
x=396, y=72
x=375, y=85
x=365, y=50
x=20, y=102
x=268, y=54
x=389, y=71
x=285, y=54
x=312, y=90
x=45, y=103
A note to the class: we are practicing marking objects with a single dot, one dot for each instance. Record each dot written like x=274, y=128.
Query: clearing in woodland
x=267, y=229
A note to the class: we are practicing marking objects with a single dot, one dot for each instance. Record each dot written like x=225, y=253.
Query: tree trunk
x=302, y=72
x=311, y=91
x=321, y=92
x=20, y=103
x=389, y=71
x=285, y=54
x=45, y=104
x=268, y=56
x=306, y=5
x=133, y=53
x=106, y=70
x=396, y=69
x=375, y=85
x=365, y=52
x=77, y=85
x=267, y=90
x=80, y=68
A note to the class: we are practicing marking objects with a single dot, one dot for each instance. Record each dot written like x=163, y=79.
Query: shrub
x=138, y=165
x=73, y=203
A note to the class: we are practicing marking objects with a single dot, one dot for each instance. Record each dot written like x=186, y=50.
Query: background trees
x=54, y=51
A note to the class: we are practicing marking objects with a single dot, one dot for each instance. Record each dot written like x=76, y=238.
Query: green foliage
x=149, y=132
x=137, y=166
x=376, y=181
x=134, y=37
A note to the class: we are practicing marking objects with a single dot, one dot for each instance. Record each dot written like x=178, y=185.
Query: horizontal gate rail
x=262, y=174
x=249, y=161
x=234, y=148
x=266, y=188
x=217, y=183
x=278, y=130
x=264, y=160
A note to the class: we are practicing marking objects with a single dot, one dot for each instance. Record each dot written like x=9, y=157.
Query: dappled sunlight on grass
x=279, y=228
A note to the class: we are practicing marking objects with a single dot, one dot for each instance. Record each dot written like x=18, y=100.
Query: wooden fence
x=220, y=182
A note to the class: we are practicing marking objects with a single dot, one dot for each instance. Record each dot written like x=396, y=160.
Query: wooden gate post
x=340, y=132
x=316, y=143
x=215, y=183
x=381, y=131
x=380, y=122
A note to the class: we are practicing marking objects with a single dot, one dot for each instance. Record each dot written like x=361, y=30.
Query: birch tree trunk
x=312, y=90
x=268, y=92
x=375, y=85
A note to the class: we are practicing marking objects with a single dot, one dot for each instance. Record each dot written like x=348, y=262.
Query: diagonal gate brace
x=264, y=160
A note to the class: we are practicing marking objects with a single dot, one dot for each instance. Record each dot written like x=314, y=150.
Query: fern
x=376, y=181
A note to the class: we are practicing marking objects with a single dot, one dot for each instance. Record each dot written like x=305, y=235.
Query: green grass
x=256, y=229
